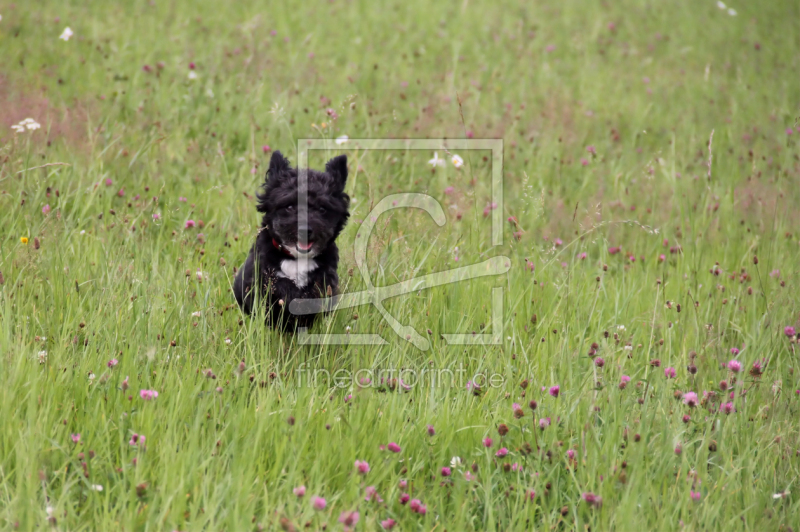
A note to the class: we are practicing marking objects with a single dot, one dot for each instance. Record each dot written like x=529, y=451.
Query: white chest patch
x=297, y=270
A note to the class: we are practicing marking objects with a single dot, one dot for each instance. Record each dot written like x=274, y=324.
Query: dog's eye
x=321, y=210
x=289, y=208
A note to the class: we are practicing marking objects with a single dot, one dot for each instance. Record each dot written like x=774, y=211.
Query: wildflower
x=571, y=454
x=404, y=498
x=687, y=418
x=599, y=362
x=348, y=519
x=75, y=438
x=436, y=161
x=299, y=491
x=228, y=341
x=388, y=524
x=502, y=452
x=468, y=476
x=136, y=439
x=113, y=362
x=46, y=209
x=582, y=256
x=734, y=351
x=789, y=331
x=372, y=494
x=487, y=442
x=727, y=408
x=531, y=495
x=96, y=487
x=431, y=430
x=694, y=495
x=341, y=139
x=670, y=372
x=415, y=505
x=455, y=462
x=458, y=162
x=623, y=382
x=125, y=383
x=23, y=240
x=690, y=399
x=393, y=447
x=147, y=395
x=550, y=48
x=156, y=216
x=66, y=34
x=182, y=199
x=446, y=471
x=362, y=466
x=735, y=366
x=192, y=74
x=544, y=423
x=592, y=499
x=188, y=224
x=554, y=390
x=731, y=12
x=42, y=357
x=319, y=503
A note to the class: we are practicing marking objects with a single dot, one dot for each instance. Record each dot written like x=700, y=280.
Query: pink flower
x=613, y=250
x=669, y=372
x=695, y=495
x=75, y=438
x=188, y=224
x=404, y=498
x=125, y=384
x=136, y=439
x=584, y=162
x=487, y=442
x=182, y=199
x=554, y=390
x=113, y=362
x=550, y=48
x=734, y=351
x=599, y=362
x=156, y=216
x=299, y=491
x=388, y=524
x=735, y=366
x=446, y=471
x=348, y=519
x=592, y=499
x=501, y=452
x=148, y=395
x=46, y=209
x=431, y=430
x=582, y=256
x=393, y=447
x=789, y=330
x=109, y=182
x=319, y=503
x=727, y=408
x=265, y=148
x=191, y=65
x=415, y=505
x=372, y=494
x=468, y=476
x=623, y=382
x=678, y=449
x=789, y=131
x=571, y=454
x=531, y=495
x=362, y=466
x=544, y=423
x=121, y=192
x=690, y=399
x=403, y=484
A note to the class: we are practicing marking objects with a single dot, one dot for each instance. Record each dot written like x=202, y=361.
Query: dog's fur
x=288, y=261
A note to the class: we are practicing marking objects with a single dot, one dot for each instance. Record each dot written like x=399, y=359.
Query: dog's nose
x=303, y=230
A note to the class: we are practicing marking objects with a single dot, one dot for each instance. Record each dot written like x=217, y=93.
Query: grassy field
x=649, y=261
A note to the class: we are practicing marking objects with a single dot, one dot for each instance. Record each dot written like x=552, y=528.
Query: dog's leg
x=244, y=284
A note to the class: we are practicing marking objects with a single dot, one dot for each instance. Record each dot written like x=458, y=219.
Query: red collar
x=280, y=247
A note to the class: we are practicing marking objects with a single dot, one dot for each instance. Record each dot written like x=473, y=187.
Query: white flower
x=91, y=378
x=42, y=356
x=455, y=462
x=83, y=232
x=43, y=338
x=721, y=5
x=621, y=327
x=628, y=348
x=458, y=162
x=196, y=314
x=780, y=495
x=192, y=74
x=96, y=487
x=18, y=128
x=436, y=161
x=732, y=12
x=66, y=34
x=228, y=341
x=1, y=17
x=341, y=140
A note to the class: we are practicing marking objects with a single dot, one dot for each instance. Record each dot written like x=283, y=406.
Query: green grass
x=646, y=94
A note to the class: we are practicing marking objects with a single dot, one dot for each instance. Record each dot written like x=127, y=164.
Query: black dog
x=295, y=253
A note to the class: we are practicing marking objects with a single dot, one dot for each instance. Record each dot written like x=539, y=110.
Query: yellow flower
x=24, y=239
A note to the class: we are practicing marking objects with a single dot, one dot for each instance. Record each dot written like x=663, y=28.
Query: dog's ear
x=278, y=165
x=337, y=168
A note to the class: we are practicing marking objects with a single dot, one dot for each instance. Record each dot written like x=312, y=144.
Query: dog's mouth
x=304, y=248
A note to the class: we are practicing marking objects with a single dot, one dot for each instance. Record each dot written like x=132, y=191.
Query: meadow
x=646, y=376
